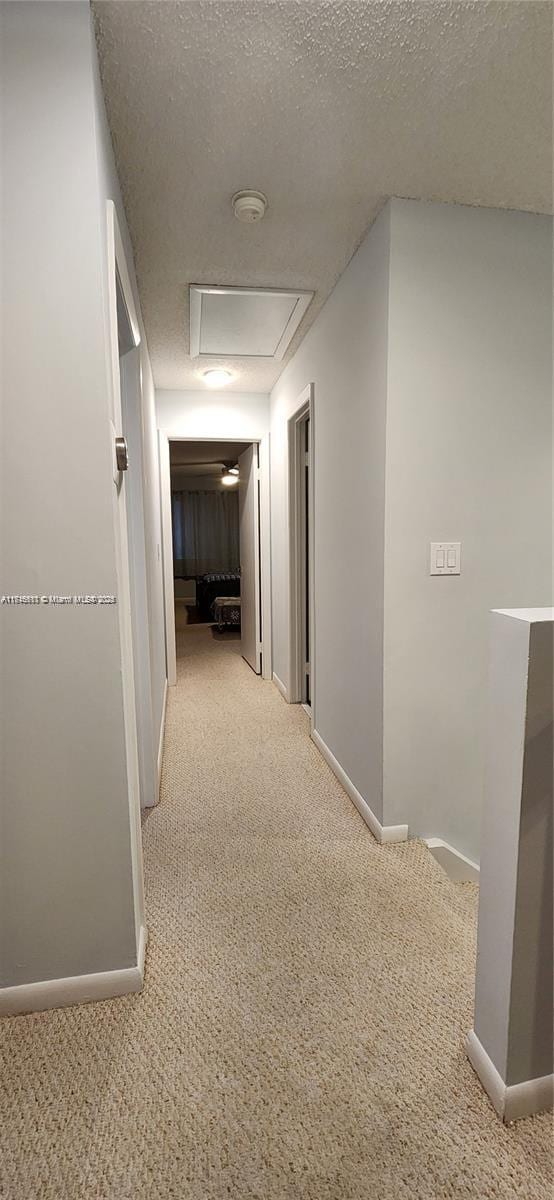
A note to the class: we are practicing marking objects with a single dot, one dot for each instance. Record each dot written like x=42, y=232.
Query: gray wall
x=67, y=891
x=432, y=369
x=345, y=356
x=67, y=887
x=469, y=448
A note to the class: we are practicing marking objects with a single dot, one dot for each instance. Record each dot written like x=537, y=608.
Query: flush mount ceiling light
x=249, y=206
x=216, y=377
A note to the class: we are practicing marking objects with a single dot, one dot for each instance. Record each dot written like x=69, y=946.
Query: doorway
x=215, y=530
x=125, y=406
x=131, y=428
x=301, y=553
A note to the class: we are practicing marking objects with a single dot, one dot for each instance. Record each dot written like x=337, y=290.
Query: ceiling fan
x=230, y=474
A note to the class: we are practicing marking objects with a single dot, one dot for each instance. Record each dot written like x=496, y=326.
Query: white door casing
x=167, y=557
x=265, y=557
x=165, y=436
x=118, y=271
x=297, y=550
x=130, y=377
x=249, y=521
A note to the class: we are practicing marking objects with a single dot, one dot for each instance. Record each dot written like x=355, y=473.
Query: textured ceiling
x=328, y=108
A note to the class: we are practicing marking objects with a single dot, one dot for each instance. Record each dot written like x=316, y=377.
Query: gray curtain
x=205, y=532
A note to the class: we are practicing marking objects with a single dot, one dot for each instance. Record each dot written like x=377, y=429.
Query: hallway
x=300, y=1034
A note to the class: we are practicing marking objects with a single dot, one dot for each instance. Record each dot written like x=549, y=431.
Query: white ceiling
x=327, y=106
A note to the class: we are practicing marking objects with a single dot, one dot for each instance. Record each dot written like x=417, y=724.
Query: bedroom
x=215, y=532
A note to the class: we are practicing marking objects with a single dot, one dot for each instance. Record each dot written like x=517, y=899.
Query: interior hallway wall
x=67, y=896
x=212, y=414
x=433, y=371
x=469, y=458
x=67, y=885
x=345, y=356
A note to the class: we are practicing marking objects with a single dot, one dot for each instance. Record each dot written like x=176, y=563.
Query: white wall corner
x=77, y=989
x=382, y=833
x=280, y=686
x=161, y=738
x=458, y=868
x=516, y=1101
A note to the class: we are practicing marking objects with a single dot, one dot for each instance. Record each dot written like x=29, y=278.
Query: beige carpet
x=307, y=994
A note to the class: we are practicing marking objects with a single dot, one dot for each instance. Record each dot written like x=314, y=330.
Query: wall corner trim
x=514, y=1102
x=457, y=866
x=161, y=738
x=280, y=687
x=76, y=989
x=382, y=833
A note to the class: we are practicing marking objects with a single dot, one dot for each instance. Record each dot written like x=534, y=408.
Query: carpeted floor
x=307, y=993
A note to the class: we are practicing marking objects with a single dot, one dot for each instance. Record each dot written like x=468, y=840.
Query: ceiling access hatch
x=233, y=322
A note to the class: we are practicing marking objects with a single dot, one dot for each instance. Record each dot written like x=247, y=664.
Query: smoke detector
x=249, y=206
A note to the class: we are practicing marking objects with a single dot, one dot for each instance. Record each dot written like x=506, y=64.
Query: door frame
x=253, y=480
x=167, y=559
x=165, y=436
x=131, y=403
x=118, y=271
x=304, y=408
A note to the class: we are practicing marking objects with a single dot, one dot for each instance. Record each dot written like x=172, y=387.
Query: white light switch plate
x=445, y=558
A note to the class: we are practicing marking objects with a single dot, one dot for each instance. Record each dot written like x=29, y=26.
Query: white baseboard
x=77, y=989
x=141, y=953
x=382, y=833
x=280, y=687
x=458, y=868
x=514, y=1102
x=161, y=737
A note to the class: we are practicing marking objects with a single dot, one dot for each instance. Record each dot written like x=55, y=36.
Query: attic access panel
x=229, y=322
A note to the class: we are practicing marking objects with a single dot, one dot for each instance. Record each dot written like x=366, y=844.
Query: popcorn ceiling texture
x=327, y=107
x=300, y=1033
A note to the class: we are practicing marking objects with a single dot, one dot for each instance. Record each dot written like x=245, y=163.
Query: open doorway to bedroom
x=206, y=534
x=215, y=506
